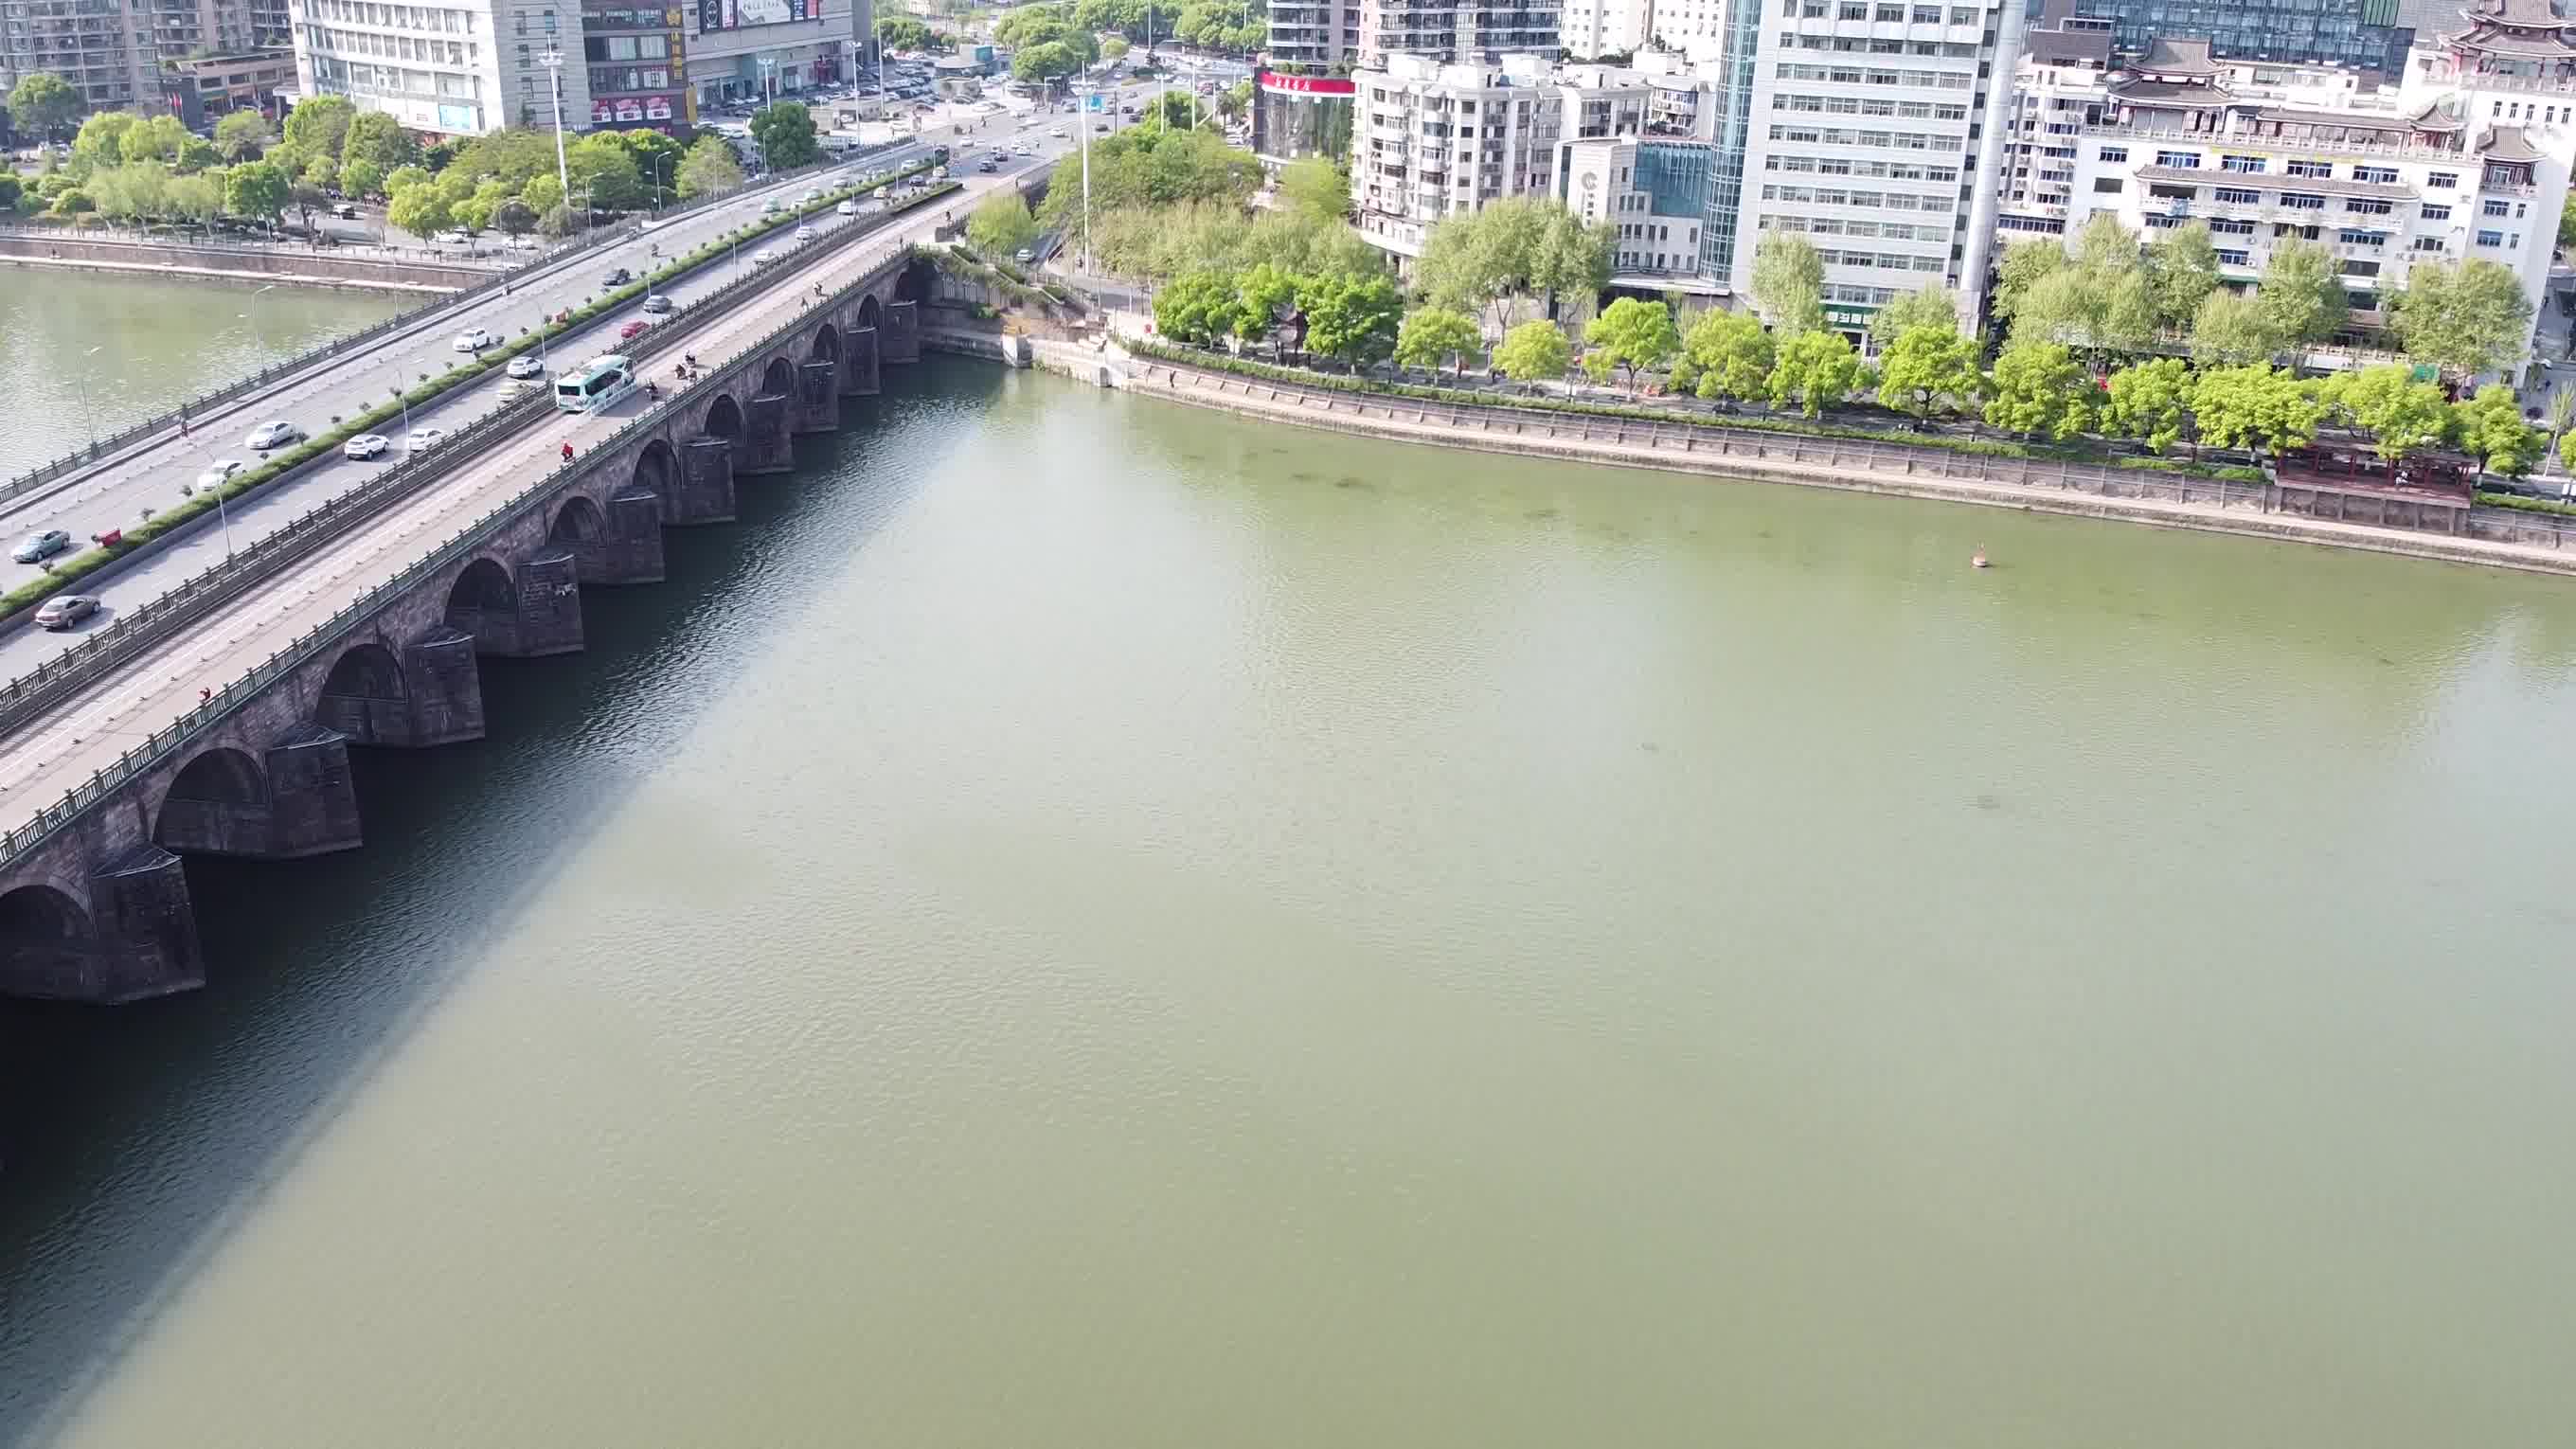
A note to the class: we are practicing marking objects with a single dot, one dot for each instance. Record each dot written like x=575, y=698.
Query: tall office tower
x=1876, y=129
x=447, y=69
x=1313, y=36
x=1462, y=32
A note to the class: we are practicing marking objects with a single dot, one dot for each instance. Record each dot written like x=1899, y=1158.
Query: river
x=83, y=354
x=1082, y=922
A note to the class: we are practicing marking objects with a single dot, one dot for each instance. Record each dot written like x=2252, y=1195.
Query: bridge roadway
x=151, y=470
x=115, y=497
x=67, y=746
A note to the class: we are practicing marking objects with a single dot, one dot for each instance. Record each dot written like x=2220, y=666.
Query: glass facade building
x=2371, y=35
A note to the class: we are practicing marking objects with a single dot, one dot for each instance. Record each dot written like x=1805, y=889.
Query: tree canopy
x=1317, y=187
x=708, y=168
x=785, y=132
x=2039, y=390
x=1535, y=351
x=1927, y=362
x=1789, y=282
x=42, y=103
x=1513, y=251
x=1001, y=224
x=1815, y=368
x=1630, y=334
x=2401, y=415
x=1432, y=336
x=2465, y=319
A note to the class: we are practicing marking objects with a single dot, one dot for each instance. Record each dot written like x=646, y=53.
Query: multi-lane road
x=90, y=731
x=114, y=495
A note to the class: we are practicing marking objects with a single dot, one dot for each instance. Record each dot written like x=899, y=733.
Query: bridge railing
x=162, y=743
x=369, y=335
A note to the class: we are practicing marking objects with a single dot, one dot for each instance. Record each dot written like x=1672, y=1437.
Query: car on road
x=43, y=545
x=846, y=208
x=617, y=278
x=365, y=446
x=1058, y=133
x=804, y=233
x=216, y=472
x=812, y=194
x=987, y=165
x=1027, y=255
x=1102, y=127
x=420, y=438
x=475, y=339
x=658, y=303
x=272, y=435
x=346, y=211
x=454, y=238
x=772, y=207
x=763, y=258
x=64, y=610
x=632, y=330
x=526, y=364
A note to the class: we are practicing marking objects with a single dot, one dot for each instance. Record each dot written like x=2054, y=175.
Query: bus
x=596, y=386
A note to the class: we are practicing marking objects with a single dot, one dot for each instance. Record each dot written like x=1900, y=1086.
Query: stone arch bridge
x=98, y=909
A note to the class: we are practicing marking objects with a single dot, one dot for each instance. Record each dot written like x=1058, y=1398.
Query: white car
x=804, y=233
x=217, y=471
x=421, y=438
x=812, y=194
x=762, y=259
x=474, y=339
x=272, y=435
x=366, y=445
x=526, y=364
x=846, y=208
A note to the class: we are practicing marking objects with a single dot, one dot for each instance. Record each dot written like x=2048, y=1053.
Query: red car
x=632, y=330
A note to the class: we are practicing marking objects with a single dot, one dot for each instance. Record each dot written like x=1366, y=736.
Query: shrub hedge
x=199, y=502
x=2527, y=505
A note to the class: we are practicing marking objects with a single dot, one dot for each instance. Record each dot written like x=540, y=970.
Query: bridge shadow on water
x=132, y=1139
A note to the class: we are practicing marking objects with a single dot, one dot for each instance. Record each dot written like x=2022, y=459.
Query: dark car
x=346, y=211
x=618, y=278
x=64, y=610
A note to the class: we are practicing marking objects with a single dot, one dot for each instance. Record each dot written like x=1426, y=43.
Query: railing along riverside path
x=161, y=743
x=1683, y=437
x=367, y=336
x=137, y=631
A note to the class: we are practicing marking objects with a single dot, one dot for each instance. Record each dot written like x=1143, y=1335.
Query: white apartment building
x=1431, y=140
x=1464, y=32
x=2455, y=164
x=445, y=69
x=1315, y=35
x=1876, y=129
x=1594, y=28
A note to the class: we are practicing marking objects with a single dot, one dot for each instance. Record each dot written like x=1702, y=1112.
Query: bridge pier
x=859, y=362
x=136, y=939
x=765, y=447
x=433, y=696
x=632, y=551
x=902, y=340
x=705, y=489
x=538, y=613
x=302, y=802
x=818, y=402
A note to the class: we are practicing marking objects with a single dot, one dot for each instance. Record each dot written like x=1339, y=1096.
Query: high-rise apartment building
x=1876, y=129
x=112, y=51
x=1435, y=140
x=1314, y=35
x=446, y=69
x=1595, y=28
x=1463, y=32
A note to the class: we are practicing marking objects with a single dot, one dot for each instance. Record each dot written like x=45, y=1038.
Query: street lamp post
x=554, y=67
x=89, y=419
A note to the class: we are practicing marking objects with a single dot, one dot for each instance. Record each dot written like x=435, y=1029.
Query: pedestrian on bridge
x=567, y=452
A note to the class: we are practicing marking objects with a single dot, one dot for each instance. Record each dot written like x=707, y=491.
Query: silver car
x=39, y=546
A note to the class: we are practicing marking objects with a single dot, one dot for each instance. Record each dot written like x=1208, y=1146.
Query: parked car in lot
x=617, y=278
x=64, y=610
x=216, y=472
x=632, y=330
x=474, y=339
x=273, y=435
x=526, y=364
x=658, y=303
x=43, y=545
x=365, y=446
x=419, y=439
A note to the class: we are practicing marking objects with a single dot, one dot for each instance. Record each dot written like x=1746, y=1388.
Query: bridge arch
x=578, y=521
x=778, y=379
x=827, y=344
x=484, y=584
x=209, y=791
x=724, y=418
x=44, y=933
x=657, y=471
x=907, y=284
x=366, y=670
x=870, y=314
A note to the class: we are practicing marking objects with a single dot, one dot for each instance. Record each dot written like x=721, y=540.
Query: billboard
x=736, y=14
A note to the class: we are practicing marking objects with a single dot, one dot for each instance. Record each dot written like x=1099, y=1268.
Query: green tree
x=1352, y=318
x=2231, y=330
x=257, y=191
x=421, y=209
x=2093, y=310
x=1262, y=293
x=10, y=189
x=1196, y=309
x=1632, y=335
x=2465, y=319
x=1234, y=100
x=2023, y=266
x=156, y=138
x=544, y=194
x=243, y=135
x=1000, y=224
x=321, y=171
x=2561, y=417
x=604, y=174
x=2182, y=272
x=72, y=201
x=2567, y=224
x=1051, y=60
x=1114, y=47
x=709, y=168
x=2401, y=415
x=1933, y=306
x=2151, y=402
x=316, y=127
x=42, y=103
x=2301, y=295
x=1789, y=282
x=514, y=218
x=1729, y=355
x=101, y=141
x=2490, y=427
x=1316, y=187
x=1535, y=351
x=902, y=32
x=377, y=139
x=197, y=155
x=305, y=200
x=785, y=132
x=1570, y=258
x=2255, y=406
x=198, y=198
x=1815, y=368
x=1433, y=335
x=361, y=178
x=1927, y=362
x=2039, y=388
